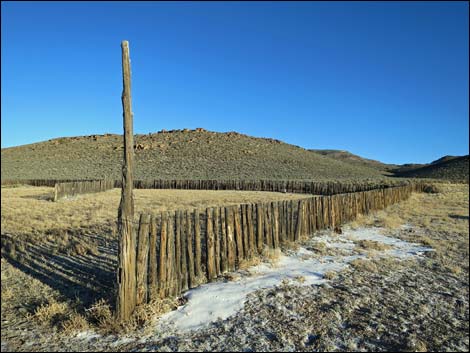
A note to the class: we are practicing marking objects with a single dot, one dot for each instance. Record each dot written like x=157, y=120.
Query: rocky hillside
x=184, y=154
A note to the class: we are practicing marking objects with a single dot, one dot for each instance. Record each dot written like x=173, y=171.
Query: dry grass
x=268, y=255
x=447, y=211
x=442, y=217
x=75, y=323
x=50, y=238
x=146, y=314
x=245, y=264
x=271, y=256
x=372, y=245
x=443, y=211
x=442, y=222
x=52, y=312
x=99, y=316
x=364, y=265
x=330, y=275
x=319, y=248
x=290, y=245
x=25, y=209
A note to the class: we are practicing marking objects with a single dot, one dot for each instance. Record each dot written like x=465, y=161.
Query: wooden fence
x=36, y=182
x=180, y=250
x=64, y=190
x=291, y=186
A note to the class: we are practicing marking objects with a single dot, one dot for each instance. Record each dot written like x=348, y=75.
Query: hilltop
x=355, y=160
x=445, y=159
x=448, y=167
x=176, y=154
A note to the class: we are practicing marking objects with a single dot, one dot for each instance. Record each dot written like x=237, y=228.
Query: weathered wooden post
x=126, y=273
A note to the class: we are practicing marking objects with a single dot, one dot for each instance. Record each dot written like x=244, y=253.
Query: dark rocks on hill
x=141, y=146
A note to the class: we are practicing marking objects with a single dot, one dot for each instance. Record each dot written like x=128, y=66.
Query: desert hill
x=202, y=154
x=453, y=168
x=176, y=154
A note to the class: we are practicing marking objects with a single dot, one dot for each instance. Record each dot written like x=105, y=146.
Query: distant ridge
x=448, y=168
x=444, y=159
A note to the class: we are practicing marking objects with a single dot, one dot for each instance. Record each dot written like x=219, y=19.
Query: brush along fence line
x=176, y=251
x=70, y=189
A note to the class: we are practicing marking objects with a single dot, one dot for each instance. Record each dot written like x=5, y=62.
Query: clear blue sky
x=387, y=81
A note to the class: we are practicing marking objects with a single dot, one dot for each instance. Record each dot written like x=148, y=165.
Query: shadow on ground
x=77, y=273
x=457, y=216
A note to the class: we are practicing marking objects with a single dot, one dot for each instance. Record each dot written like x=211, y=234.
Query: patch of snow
x=87, y=336
x=221, y=299
x=335, y=242
x=215, y=300
x=122, y=340
x=400, y=249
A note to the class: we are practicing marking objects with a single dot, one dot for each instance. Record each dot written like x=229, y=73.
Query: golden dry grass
x=364, y=265
x=330, y=275
x=446, y=210
x=27, y=210
x=80, y=231
x=442, y=219
x=372, y=245
x=245, y=264
x=271, y=256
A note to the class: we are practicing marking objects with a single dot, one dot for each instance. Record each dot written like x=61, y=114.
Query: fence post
x=126, y=273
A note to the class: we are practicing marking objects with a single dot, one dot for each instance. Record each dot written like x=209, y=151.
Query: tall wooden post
x=126, y=300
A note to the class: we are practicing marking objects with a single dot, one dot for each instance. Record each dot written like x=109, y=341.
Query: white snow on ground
x=122, y=341
x=87, y=336
x=401, y=248
x=216, y=300
x=222, y=299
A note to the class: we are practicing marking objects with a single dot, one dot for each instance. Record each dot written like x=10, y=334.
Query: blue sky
x=387, y=81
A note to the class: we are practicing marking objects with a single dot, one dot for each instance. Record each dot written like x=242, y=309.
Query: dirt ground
x=377, y=303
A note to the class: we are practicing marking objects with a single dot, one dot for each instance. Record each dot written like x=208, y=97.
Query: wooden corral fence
x=179, y=250
x=36, y=182
x=291, y=186
x=69, y=189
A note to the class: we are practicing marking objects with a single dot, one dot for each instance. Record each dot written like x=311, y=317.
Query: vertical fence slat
x=238, y=234
x=231, y=247
x=260, y=227
x=210, y=246
x=251, y=231
x=197, y=244
x=162, y=278
x=189, y=243
x=217, y=241
x=223, y=241
x=184, y=253
x=142, y=259
x=153, y=268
